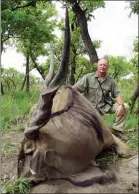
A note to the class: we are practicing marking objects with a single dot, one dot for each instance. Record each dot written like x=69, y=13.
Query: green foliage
x=133, y=141
x=78, y=53
x=30, y=29
x=21, y=186
x=83, y=67
x=119, y=67
x=134, y=60
x=134, y=5
x=15, y=108
x=14, y=4
x=131, y=121
x=12, y=80
x=33, y=33
x=131, y=129
x=107, y=157
x=136, y=45
x=9, y=148
x=38, y=32
x=127, y=88
x=33, y=25
x=91, y=6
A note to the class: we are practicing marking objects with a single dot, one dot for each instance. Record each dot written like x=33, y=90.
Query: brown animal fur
x=68, y=143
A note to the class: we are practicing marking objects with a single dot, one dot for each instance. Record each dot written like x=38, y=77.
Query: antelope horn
x=50, y=74
x=44, y=108
x=63, y=69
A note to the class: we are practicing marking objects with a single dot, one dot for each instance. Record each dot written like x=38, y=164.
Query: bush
x=21, y=186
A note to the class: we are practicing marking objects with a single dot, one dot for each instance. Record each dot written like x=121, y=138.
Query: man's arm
x=75, y=88
x=81, y=85
x=120, y=110
x=119, y=99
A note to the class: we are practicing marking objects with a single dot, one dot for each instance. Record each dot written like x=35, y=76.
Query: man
x=101, y=91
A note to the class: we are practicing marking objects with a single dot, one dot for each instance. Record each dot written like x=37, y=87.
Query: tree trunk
x=72, y=73
x=79, y=74
x=37, y=68
x=27, y=74
x=23, y=84
x=2, y=90
x=135, y=95
x=134, y=98
x=1, y=43
x=1, y=46
x=82, y=22
x=73, y=66
x=41, y=73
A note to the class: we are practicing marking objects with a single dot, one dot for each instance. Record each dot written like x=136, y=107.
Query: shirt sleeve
x=82, y=84
x=115, y=92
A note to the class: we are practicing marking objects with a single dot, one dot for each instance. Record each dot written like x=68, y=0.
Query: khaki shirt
x=90, y=84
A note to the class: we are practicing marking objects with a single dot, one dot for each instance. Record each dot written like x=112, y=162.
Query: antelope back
x=62, y=100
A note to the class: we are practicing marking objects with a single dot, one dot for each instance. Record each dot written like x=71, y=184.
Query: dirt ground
x=126, y=171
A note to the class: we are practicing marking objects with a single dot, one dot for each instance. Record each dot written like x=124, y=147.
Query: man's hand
x=120, y=110
x=74, y=88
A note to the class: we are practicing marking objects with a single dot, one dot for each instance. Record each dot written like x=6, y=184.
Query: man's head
x=102, y=65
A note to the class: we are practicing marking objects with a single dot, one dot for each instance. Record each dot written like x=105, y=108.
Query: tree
x=33, y=32
x=78, y=51
x=134, y=59
x=134, y=5
x=12, y=80
x=134, y=62
x=77, y=48
x=78, y=63
x=2, y=90
x=15, y=20
x=119, y=67
x=82, y=10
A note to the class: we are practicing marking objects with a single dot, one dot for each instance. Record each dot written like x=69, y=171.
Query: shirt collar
x=96, y=75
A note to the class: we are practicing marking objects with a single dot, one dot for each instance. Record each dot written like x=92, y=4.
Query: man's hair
x=105, y=57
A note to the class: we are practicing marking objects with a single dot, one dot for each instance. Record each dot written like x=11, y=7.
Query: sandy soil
x=126, y=171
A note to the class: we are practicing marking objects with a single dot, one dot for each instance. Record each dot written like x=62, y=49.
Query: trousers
x=119, y=123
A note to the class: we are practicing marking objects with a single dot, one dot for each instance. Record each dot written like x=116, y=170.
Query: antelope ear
x=37, y=163
x=62, y=100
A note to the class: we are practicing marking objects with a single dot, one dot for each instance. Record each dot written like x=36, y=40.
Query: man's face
x=102, y=66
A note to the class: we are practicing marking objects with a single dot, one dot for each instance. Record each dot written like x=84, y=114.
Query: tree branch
x=32, y=3
x=36, y=66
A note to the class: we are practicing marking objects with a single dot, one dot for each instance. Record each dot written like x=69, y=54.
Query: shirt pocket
x=92, y=91
x=106, y=91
